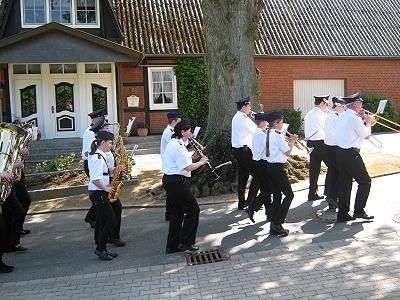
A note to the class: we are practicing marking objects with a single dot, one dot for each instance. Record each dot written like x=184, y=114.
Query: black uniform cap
x=184, y=124
x=275, y=115
x=261, y=116
x=319, y=99
x=99, y=124
x=97, y=113
x=338, y=100
x=104, y=136
x=244, y=101
x=353, y=98
x=173, y=115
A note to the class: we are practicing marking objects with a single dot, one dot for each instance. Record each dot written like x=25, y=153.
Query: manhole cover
x=396, y=218
x=206, y=257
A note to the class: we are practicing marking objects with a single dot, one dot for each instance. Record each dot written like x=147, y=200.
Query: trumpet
x=299, y=144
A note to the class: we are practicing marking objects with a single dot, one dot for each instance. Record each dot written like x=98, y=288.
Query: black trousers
x=14, y=216
x=245, y=167
x=351, y=165
x=280, y=185
x=332, y=175
x=91, y=214
x=3, y=236
x=23, y=196
x=318, y=154
x=264, y=197
x=106, y=221
x=184, y=211
x=115, y=233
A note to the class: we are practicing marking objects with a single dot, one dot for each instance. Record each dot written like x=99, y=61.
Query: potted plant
x=142, y=129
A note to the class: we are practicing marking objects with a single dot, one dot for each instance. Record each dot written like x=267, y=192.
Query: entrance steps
x=51, y=149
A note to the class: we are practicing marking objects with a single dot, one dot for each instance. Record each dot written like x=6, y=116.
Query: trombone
x=377, y=116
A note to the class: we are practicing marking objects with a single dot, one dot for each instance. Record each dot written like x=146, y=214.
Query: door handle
x=52, y=109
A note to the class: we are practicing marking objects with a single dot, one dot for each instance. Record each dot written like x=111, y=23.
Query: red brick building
x=121, y=55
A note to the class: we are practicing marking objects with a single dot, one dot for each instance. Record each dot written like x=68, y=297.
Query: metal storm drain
x=206, y=257
x=396, y=218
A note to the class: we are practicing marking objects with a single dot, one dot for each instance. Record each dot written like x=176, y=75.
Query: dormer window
x=74, y=13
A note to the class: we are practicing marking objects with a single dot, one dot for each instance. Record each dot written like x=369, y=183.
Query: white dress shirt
x=314, y=123
x=110, y=160
x=259, y=144
x=351, y=130
x=88, y=138
x=331, y=128
x=98, y=170
x=176, y=158
x=165, y=138
x=243, y=129
x=277, y=147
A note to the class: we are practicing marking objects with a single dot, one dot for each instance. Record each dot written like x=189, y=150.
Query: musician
x=174, y=117
x=260, y=168
x=99, y=187
x=103, y=125
x=353, y=131
x=314, y=129
x=243, y=129
x=277, y=152
x=177, y=166
x=88, y=137
x=4, y=268
x=14, y=216
x=332, y=174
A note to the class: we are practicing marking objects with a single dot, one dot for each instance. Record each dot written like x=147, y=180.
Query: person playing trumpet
x=330, y=141
x=277, y=153
x=353, y=131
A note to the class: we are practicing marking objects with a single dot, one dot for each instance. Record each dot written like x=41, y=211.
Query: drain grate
x=206, y=257
x=396, y=218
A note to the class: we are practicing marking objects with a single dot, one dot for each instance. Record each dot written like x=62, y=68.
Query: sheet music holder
x=285, y=127
x=381, y=107
x=196, y=132
x=129, y=126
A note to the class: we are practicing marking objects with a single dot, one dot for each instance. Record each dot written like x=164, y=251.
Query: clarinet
x=194, y=143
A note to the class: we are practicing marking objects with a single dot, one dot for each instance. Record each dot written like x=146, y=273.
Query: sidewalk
x=344, y=269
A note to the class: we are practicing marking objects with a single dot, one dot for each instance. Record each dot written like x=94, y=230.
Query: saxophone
x=119, y=151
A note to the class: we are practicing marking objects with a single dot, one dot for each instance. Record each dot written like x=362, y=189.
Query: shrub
x=60, y=164
x=294, y=119
x=371, y=103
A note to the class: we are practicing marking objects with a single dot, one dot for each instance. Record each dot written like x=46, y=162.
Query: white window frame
x=174, y=104
x=73, y=16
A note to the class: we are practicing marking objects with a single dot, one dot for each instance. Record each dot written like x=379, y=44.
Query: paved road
x=61, y=246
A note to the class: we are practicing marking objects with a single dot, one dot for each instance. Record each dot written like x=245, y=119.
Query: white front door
x=99, y=95
x=28, y=101
x=64, y=106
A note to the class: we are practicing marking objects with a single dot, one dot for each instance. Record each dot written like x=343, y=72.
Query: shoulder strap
x=100, y=155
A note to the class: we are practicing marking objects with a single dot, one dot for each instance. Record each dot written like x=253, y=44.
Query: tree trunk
x=230, y=28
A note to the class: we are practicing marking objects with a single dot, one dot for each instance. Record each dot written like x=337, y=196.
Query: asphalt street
x=61, y=244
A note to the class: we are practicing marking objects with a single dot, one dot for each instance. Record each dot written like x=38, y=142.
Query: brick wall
x=380, y=77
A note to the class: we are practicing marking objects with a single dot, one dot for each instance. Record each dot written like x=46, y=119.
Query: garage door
x=304, y=90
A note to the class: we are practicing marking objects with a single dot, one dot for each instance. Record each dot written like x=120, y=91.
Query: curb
x=144, y=205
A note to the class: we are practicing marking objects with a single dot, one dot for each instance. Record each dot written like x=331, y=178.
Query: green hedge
x=371, y=103
x=294, y=119
x=191, y=77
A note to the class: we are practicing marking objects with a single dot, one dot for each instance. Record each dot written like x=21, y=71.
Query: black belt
x=351, y=149
x=245, y=147
x=97, y=192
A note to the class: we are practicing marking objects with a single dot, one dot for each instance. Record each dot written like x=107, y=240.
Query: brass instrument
x=120, y=151
x=32, y=133
x=11, y=137
x=382, y=119
x=299, y=144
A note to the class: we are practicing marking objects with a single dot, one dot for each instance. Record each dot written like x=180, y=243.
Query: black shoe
x=5, y=268
x=118, y=242
x=25, y=231
x=345, y=218
x=277, y=229
x=250, y=213
x=242, y=206
x=188, y=248
x=315, y=197
x=172, y=250
x=363, y=216
x=16, y=248
x=113, y=254
x=103, y=255
x=167, y=216
x=332, y=203
x=91, y=222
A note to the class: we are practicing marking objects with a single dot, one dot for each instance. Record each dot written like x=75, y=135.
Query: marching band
x=260, y=147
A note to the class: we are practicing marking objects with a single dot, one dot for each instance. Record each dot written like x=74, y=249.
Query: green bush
x=371, y=103
x=191, y=77
x=60, y=164
x=294, y=119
